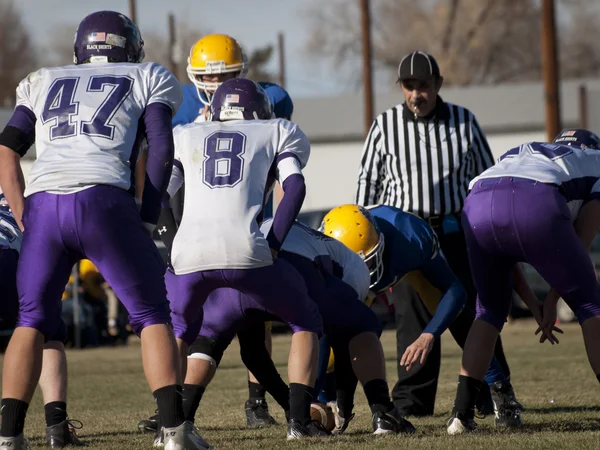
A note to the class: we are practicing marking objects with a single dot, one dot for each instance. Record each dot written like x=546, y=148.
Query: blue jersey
x=10, y=233
x=412, y=252
x=192, y=106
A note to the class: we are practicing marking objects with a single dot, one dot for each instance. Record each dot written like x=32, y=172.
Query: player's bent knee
x=158, y=316
x=206, y=349
x=586, y=312
x=492, y=319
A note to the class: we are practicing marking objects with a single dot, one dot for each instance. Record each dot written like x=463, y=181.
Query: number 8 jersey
x=88, y=121
x=229, y=169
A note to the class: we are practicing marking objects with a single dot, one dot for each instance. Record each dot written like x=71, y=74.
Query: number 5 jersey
x=575, y=170
x=229, y=170
x=88, y=121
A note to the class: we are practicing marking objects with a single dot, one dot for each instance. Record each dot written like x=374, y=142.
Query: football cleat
x=184, y=437
x=507, y=410
x=14, y=443
x=459, y=423
x=149, y=425
x=257, y=413
x=391, y=422
x=63, y=434
x=341, y=423
x=298, y=431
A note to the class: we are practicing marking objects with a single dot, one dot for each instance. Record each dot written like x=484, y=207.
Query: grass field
x=108, y=393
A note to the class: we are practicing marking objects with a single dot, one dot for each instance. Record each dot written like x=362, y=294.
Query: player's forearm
x=294, y=191
x=157, y=120
x=523, y=289
x=450, y=305
x=587, y=224
x=12, y=182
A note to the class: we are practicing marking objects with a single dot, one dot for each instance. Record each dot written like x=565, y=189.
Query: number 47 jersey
x=229, y=169
x=88, y=121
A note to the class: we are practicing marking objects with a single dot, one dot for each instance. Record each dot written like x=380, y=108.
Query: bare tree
x=474, y=41
x=17, y=57
x=256, y=64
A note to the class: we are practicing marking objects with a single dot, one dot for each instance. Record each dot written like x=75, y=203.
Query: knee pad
x=207, y=349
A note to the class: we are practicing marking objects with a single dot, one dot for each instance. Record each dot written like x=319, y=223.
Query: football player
x=243, y=151
x=86, y=120
x=60, y=431
x=335, y=278
x=540, y=204
x=213, y=59
x=396, y=245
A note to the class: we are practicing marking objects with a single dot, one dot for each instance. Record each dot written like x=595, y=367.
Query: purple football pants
x=509, y=220
x=101, y=224
x=232, y=295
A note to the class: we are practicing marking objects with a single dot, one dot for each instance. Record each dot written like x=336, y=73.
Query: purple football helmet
x=578, y=137
x=108, y=36
x=240, y=99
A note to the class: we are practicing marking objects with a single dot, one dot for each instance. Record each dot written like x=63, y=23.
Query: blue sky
x=254, y=23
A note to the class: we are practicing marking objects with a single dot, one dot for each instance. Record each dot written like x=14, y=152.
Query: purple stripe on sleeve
x=282, y=156
x=294, y=191
x=24, y=119
x=161, y=149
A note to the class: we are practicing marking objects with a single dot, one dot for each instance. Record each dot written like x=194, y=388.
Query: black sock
x=598, y=377
x=192, y=394
x=170, y=408
x=255, y=390
x=466, y=395
x=55, y=412
x=300, y=398
x=13, y=417
x=378, y=396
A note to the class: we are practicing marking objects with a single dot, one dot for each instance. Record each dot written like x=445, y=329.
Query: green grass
x=108, y=393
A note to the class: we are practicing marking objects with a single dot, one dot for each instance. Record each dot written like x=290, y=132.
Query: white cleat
x=460, y=425
x=14, y=443
x=184, y=437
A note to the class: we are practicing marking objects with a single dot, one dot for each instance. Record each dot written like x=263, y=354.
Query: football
x=323, y=414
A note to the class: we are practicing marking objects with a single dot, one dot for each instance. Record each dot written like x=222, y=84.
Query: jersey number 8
x=61, y=108
x=223, y=163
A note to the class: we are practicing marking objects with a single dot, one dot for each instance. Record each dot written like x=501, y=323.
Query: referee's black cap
x=418, y=65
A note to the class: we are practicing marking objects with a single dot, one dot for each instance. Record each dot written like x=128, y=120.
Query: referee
x=420, y=156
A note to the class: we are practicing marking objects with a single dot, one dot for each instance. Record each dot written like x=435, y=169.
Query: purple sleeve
x=294, y=191
x=157, y=119
x=19, y=133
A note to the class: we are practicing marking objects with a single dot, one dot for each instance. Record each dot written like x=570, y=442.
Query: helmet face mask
x=107, y=36
x=356, y=228
x=215, y=54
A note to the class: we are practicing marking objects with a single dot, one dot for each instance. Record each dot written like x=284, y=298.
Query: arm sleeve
x=164, y=88
x=175, y=182
x=453, y=298
x=294, y=191
x=19, y=133
x=157, y=119
x=482, y=153
x=369, y=180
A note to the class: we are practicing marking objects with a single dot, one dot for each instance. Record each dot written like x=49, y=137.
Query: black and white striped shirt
x=422, y=166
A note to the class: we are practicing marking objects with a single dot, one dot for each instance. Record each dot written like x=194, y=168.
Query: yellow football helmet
x=213, y=55
x=355, y=227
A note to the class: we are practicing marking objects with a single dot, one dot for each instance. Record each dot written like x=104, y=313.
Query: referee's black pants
x=415, y=391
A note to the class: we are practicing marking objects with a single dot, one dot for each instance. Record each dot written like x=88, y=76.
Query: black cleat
x=391, y=422
x=459, y=423
x=149, y=425
x=298, y=431
x=506, y=408
x=63, y=434
x=257, y=414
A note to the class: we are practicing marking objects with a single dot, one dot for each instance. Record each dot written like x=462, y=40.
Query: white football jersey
x=314, y=245
x=10, y=233
x=228, y=169
x=87, y=121
x=576, y=170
